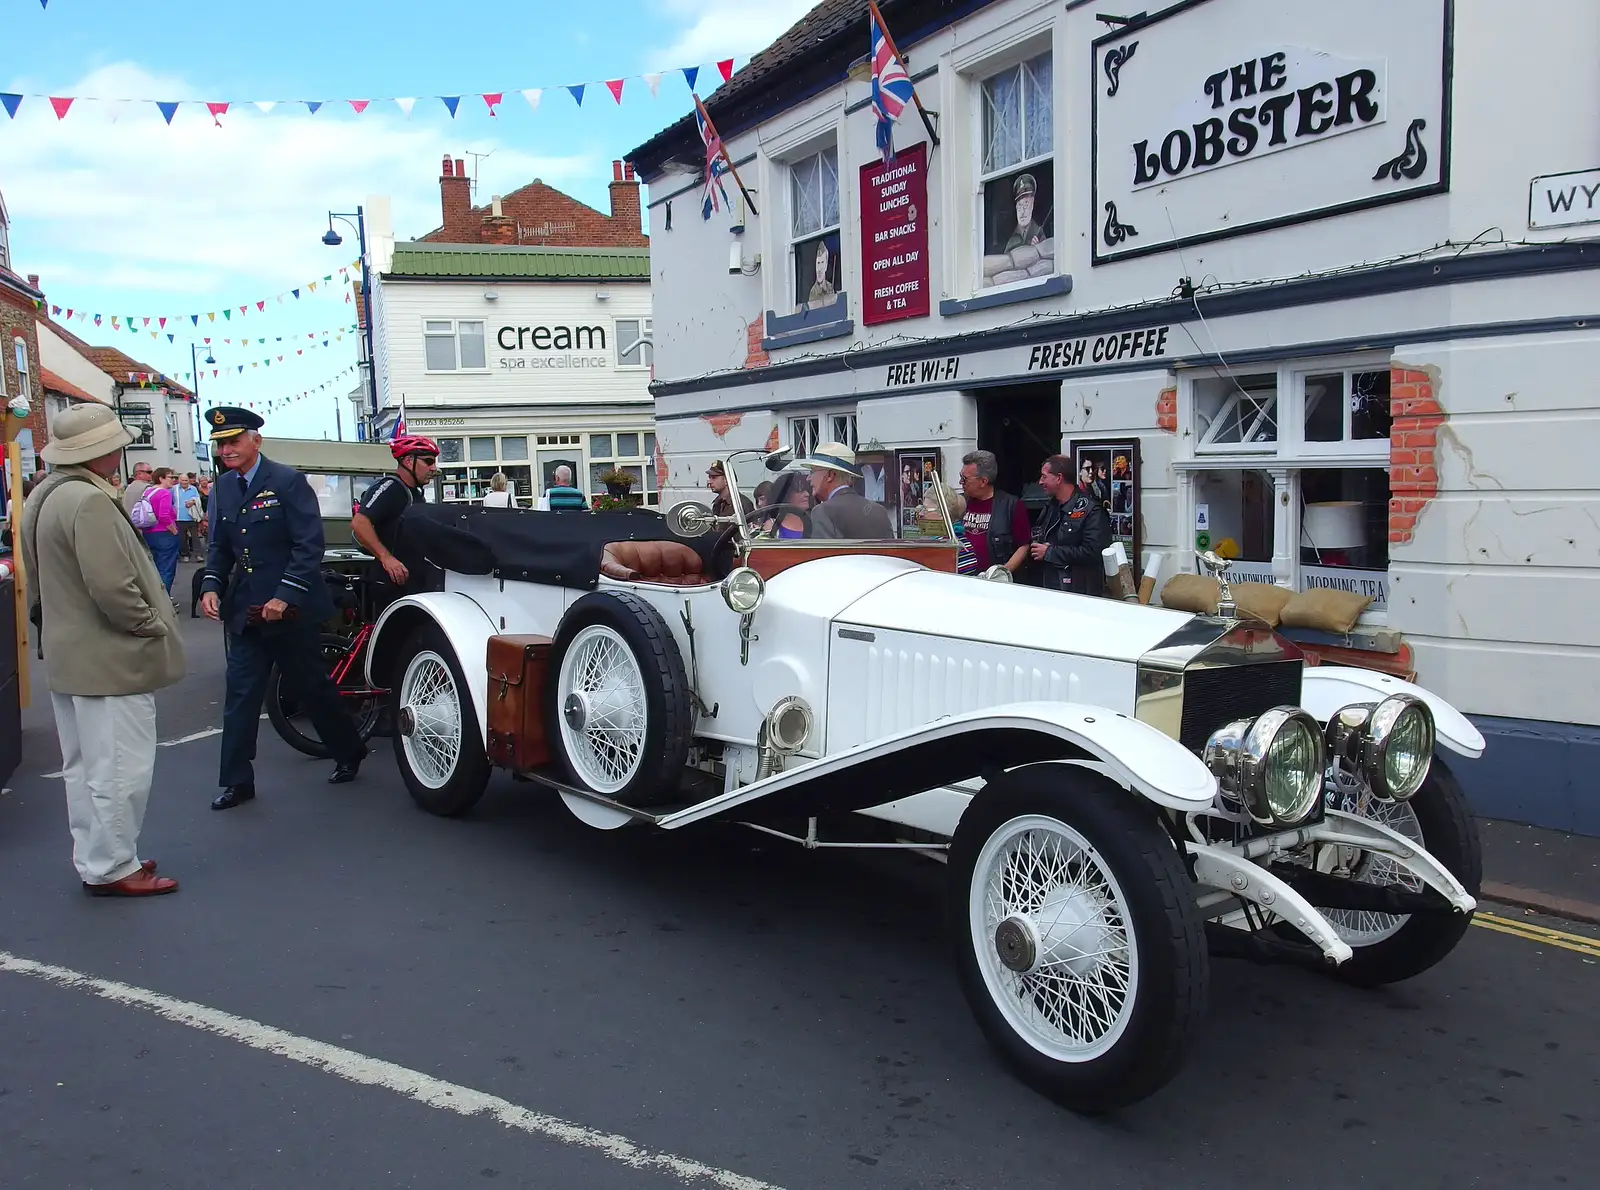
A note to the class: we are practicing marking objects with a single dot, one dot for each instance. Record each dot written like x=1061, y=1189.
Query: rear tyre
x=617, y=713
x=438, y=745
x=1077, y=940
x=292, y=724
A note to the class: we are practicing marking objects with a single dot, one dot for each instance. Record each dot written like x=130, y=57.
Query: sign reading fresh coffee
x=1222, y=117
x=894, y=237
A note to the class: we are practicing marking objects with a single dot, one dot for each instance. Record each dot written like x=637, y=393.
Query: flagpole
x=883, y=28
x=722, y=147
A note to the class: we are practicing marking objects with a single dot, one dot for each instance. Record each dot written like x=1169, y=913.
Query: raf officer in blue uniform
x=263, y=580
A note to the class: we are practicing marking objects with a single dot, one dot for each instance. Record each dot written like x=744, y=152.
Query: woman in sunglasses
x=376, y=523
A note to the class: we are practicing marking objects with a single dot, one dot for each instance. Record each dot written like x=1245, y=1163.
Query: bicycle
x=345, y=655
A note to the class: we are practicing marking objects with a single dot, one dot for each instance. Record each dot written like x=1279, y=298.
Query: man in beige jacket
x=110, y=639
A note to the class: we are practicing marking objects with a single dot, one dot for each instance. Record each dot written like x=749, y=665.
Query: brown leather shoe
x=148, y=867
x=140, y=884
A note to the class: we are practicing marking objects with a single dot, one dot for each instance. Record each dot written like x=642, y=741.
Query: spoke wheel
x=437, y=743
x=1391, y=947
x=1077, y=940
x=428, y=696
x=617, y=706
x=603, y=711
x=1061, y=967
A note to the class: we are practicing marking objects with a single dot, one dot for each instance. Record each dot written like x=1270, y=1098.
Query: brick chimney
x=498, y=228
x=455, y=199
x=625, y=201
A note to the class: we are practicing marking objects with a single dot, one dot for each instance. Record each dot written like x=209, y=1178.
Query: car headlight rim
x=1252, y=760
x=1399, y=747
x=743, y=590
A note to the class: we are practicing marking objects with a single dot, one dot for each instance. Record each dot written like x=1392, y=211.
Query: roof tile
x=417, y=259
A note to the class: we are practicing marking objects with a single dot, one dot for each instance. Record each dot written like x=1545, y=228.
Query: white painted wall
x=406, y=305
x=64, y=360
x=1526, y=102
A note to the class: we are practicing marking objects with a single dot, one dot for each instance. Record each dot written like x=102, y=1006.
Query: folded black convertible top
x=554, y=548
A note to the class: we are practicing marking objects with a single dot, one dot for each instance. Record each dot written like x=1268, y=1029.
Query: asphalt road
x=733, y=1007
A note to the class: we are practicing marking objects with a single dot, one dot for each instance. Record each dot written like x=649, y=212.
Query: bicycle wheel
x=296, y=727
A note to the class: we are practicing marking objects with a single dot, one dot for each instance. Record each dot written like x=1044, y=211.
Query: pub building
x=1312, y=286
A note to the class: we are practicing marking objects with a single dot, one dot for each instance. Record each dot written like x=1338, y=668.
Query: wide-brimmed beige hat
x=83, y=433
x=831, y=456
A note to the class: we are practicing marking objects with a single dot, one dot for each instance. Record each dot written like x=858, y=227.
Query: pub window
x=804, y=434
x=1017, y=180
x=481, y=450
x=844, y=428
x=814, y=229
x=1236, y=412
x=450, y=346
x=599, y=446
x=1348, y=407
x=1344, y=522
x=635, y=347
x=514, y=450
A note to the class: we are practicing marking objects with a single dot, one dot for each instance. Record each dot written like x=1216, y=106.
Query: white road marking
x=375, y=1072
x=183, y=739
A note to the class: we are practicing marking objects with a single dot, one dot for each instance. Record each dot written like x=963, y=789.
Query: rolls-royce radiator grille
x=1214, y=697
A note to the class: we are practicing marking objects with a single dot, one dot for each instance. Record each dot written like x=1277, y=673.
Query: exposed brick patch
x=773, y=441
x=1167, y=410
x=755, y=356
x=1413, y=440
x=721, y=423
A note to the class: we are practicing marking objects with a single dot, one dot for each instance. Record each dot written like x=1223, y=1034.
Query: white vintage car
x=1119, y=791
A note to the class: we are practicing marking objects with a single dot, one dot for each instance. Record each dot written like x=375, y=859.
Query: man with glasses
x=996, y=522
x=144, y=475
x=376, y=523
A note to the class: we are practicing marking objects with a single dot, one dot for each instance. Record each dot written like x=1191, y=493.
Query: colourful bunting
x=62, y=104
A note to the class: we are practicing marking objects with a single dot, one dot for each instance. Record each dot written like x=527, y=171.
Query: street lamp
x=333, y=239
x=194, y=374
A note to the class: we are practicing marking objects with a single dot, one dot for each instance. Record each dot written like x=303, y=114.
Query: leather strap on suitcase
x=518, y=669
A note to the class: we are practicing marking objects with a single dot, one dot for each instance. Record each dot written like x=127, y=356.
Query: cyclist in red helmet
x=376, y=522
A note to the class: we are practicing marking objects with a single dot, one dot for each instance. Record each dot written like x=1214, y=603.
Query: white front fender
x=1133, y=753
x=1326, y=688
x=465, y=625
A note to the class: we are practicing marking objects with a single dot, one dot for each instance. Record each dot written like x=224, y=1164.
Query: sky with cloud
x=122, y=214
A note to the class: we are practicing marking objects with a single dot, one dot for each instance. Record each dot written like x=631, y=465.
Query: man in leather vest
x=1072, y=531
x=996, y=522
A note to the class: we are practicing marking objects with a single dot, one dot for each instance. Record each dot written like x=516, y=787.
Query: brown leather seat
x=670, y=563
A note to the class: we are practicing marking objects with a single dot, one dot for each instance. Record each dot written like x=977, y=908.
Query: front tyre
x=437, y=743
x=1078, y=944
x=1390, y=947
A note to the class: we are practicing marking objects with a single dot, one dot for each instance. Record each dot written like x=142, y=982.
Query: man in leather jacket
x=1072, y=530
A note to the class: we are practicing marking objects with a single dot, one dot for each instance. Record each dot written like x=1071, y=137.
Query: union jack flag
x=891, y=86
x=716, y=163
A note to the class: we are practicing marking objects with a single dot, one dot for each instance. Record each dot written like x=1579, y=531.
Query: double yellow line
x=1544, y=935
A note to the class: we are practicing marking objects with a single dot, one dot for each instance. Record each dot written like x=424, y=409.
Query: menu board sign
x=894, y=237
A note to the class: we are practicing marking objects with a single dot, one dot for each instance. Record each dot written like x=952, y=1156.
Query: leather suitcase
x=518, y=667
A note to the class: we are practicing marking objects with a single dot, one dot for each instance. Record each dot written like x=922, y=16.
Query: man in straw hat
x=840, y=511
x=109, y=641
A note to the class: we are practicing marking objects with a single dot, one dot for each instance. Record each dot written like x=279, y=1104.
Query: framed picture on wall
x=915, y=471
x=1109, y=467
x=876, y=469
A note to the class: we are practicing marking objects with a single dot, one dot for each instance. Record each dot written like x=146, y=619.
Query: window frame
x=818, y=420
x=644, y=343
x=795, y=238
x=979, y=74
x=455, y=341
x=1287, y=459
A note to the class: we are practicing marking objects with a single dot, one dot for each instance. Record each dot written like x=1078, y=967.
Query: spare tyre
x=617, y=712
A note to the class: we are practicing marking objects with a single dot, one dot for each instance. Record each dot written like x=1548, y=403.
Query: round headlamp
x=1399, y=746
x=742, y=590
x=1272, y=765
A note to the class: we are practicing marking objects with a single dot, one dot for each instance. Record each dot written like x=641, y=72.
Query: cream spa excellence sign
x=1221, y=117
